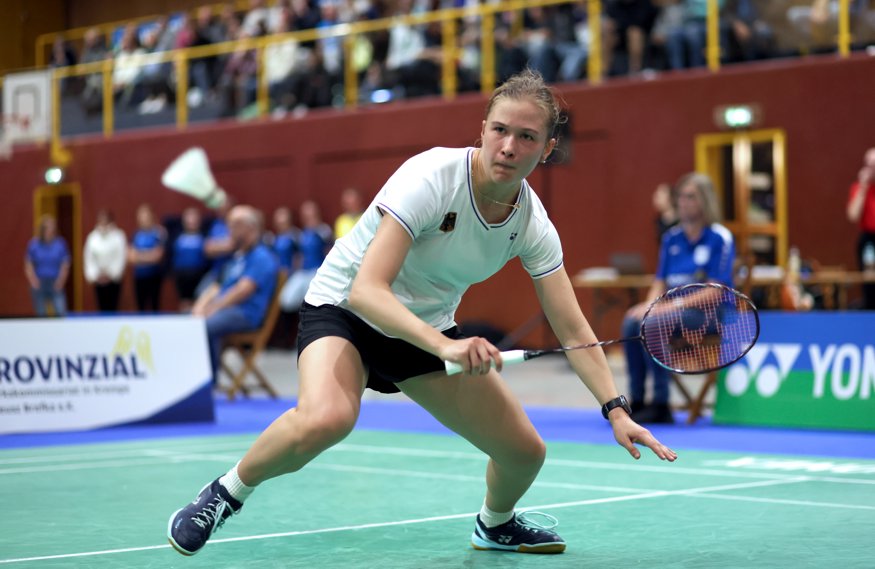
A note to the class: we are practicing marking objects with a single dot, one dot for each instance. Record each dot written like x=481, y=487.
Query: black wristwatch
x=613, y=403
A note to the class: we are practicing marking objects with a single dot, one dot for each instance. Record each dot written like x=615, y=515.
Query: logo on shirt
x=449, y=222
x=513, y=236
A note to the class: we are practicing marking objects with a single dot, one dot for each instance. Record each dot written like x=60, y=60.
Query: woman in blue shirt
x=145, y=254
x=189, y=262
x=46, y=265
x=697, y=249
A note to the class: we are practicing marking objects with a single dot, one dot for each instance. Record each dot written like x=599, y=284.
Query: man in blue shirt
x=239, y=301
x=697, y=249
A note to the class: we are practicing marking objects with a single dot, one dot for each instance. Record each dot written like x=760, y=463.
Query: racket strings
x=698, y=329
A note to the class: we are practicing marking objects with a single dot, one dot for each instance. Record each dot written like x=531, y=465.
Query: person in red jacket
x=861, y=210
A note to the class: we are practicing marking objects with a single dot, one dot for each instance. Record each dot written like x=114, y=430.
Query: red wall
x=627, y=136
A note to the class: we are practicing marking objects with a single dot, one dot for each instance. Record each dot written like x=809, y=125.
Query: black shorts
x=388, y=360
x=187, y=281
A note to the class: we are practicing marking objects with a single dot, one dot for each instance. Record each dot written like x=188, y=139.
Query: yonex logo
x=769, y=372
x=504, y=539
x=846, y=370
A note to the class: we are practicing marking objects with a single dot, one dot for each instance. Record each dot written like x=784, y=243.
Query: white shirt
x=432, y=197
x=105, y=254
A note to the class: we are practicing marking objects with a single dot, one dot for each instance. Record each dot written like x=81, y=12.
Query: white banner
x=85, y=373
x=27, y=96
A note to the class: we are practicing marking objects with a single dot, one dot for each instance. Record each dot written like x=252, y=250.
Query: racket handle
x=508, y=357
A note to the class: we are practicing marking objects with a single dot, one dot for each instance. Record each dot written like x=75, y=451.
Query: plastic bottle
x=794, y=264
x=869, y=257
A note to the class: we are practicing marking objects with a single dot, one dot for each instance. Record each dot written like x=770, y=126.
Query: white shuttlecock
x=190, y=175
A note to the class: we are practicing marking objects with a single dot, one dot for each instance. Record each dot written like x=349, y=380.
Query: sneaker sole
x=172, y=541
x=481, y=544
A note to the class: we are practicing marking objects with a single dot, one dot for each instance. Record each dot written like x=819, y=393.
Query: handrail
x=448, y=19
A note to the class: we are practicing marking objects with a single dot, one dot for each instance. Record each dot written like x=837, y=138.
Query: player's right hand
x=475, y=355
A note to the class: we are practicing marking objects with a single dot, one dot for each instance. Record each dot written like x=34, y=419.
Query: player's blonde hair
x=529, y=84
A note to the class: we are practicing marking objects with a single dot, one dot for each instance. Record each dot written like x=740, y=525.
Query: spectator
x=255, y=23
x=46, y=266
x=750, y=37
x=314, y=241
x=146, y=254
x=628, y=27
x=280, y=60
x=413, y=59
x=685, y=44
x=189, y=263
x=63, y=56
x=285, y=239
x=105, y=261
x=154, y=77
x=129, y=60
x=238, y=81
x=93, y=50
x=239, y=301
x=562, y=56
x=351, y=204
x=861, y=210
x=666, y=215
x=218, y=246
x=698, y=249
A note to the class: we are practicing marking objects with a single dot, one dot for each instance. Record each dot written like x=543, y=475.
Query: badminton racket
x=691, y=329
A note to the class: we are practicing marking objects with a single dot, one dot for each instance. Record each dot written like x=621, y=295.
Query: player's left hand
x=629, y=433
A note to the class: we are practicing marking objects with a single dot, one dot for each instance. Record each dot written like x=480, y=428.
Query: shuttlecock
x=190, y=174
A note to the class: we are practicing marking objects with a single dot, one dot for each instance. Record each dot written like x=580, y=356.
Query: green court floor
x=383, y=500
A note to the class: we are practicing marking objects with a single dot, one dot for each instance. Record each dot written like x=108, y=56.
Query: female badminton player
x=379, y=314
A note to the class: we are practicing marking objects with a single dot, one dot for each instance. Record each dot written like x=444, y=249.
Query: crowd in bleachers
x=638, y=36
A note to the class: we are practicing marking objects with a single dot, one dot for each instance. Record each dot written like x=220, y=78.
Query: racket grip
x=508, y=357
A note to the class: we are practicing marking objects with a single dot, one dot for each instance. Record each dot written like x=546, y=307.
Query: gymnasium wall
x=625, y=138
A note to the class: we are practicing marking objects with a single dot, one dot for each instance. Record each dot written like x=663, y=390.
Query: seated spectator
x=189, y=263
x=255, y=23
x=129, y=60
x=750, y=37
x=63, y=55
x=685, y=45
x=351, y=204
x=314, y=241
x=218, y=246
x=280, y=61
x=238, y=81
x=93, y=50
x=155, y=77
x=627, y=29
x=239, y=301
x=562, y=56
x=817, y=21
x=146, y=255
x=697, y=249
x=46, y=266
x=104, y=260
x=413, y=59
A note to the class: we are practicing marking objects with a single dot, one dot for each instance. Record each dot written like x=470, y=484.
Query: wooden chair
x=249, y=345
x=695, y=404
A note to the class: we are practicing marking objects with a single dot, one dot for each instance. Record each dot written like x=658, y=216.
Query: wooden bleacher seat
x=249, y=345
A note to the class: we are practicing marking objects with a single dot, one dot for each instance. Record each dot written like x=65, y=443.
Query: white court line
x=643, y=496
x=414, y=452
x=782, y=501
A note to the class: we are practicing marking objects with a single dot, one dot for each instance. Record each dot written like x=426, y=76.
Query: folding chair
x=696, y=404
x=249, y=345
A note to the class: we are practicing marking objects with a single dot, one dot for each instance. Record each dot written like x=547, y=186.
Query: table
x=609, y=293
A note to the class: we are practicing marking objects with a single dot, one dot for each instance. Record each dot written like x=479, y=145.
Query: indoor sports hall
x=189, y=185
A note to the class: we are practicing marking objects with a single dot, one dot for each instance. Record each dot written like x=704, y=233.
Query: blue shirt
x=47, y=257
x=144, y=240
x=219, y=230
x=710, y=258
x=285, y=246
x=188, y=253
x=259, y=264
x=312, y=243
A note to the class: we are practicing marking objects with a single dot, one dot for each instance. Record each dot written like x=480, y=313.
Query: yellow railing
x=448, y=19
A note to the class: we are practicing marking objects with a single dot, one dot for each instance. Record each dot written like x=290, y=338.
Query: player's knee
x=528, y=454
x=324, y=428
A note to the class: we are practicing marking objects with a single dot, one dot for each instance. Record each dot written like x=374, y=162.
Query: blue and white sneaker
x=522, y=534
x=190, y=527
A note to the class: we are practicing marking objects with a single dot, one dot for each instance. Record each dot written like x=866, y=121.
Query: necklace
x=482, y=194
x=513, y=205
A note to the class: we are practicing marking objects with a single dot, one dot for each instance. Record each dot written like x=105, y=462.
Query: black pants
x=148, y=293
x=868, y=288
x=108, y=296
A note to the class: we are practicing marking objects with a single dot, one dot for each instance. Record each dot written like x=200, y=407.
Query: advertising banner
x=86, y=373
x=808, y=369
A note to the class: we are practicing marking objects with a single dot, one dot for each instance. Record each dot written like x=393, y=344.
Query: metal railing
x=348, y=32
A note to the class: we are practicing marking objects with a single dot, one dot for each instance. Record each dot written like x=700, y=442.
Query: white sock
x=491, y=519
x=235, y=486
